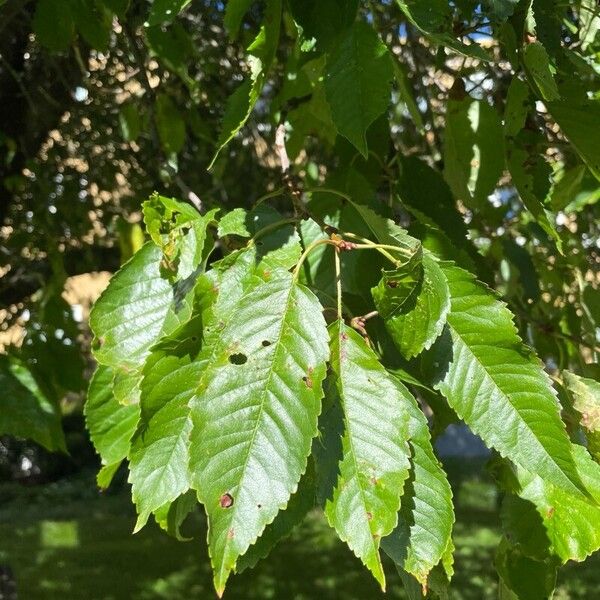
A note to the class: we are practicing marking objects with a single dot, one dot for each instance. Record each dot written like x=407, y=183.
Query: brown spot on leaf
x=308, y=378
x=392, y=284
x=369, y=516
x=551, y=512
x=230, y=534
x=226, y=501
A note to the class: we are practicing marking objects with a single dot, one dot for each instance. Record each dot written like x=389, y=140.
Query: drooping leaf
x=324, y=19
x=363, y=505
x=537, y=65
x=164, y=11
x=473, y=150
x=419, y=322
x=262, y=53
x=358, y=83
x=522, y=577
x=170, y=516
x=586, y=401
x=169, y=124
x=111, y=424
x=434, y=19
x=24, y=409
x=576, y=122
x=255, y=413
x=488, y=376
x=234, y=14
x=530, y=174
x=53, y=24
x=422, y=538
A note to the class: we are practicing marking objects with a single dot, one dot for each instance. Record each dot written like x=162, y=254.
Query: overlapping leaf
x=419, y=321
x=481, y=366
x=422, y=538
x=111, y=424
x=255, y=413
x=363, y=505
x=586, y=401
x=551, y=521
x=133, y=311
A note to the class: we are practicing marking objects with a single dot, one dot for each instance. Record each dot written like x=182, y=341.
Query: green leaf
x=255, y=413
x=111, y=425
x=500, y=10
x=24, y=409
x=164, y=11
x=537, y=65
x=358, y=83
x=235, y=222
x=586, y=401
x=406, y=93
x=488, y=376
x=324, y=20
x=530, y=174
x=517, y=107
x=576, y=122
x=420, y=321
x=160, y=450
x=93, y=21
x=262, y=53
x=398, y=287
x=434, y=19
x=170, y=124
x=53, y=24
x=589, y=22
x=234, y=14
x=473, y=150
x=170, y=516
x=422, y=537
x=130, y=122
x=133, y=311
x=521, y=577
x=299, y=505
x=552, y=520
x=364, y=503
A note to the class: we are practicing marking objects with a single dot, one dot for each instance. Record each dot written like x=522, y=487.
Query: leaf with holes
x=255, y=412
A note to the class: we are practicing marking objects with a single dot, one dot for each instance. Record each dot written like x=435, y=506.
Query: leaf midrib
x=505, y=395
x=263, y=399
x=353, y=454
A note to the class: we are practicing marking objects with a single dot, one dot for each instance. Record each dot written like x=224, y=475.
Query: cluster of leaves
x=264, y=362
x=226, y=386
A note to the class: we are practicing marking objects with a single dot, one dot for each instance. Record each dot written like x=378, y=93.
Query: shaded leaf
x=164, y=11
x=418, y=323
x=358, y=83
x=24, y=409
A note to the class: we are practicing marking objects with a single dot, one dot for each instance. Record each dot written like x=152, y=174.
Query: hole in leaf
x=392, y=284
x=226, y=501
x=266, y=343
x=238, y=359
